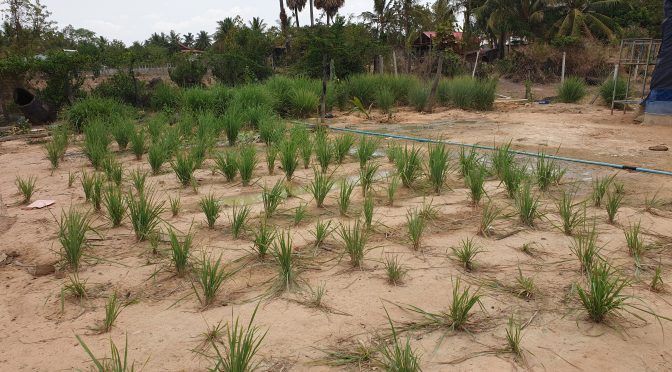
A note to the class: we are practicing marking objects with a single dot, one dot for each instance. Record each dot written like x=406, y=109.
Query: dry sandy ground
x=164, y=321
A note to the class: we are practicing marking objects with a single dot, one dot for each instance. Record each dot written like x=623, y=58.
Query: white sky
x=131, y=20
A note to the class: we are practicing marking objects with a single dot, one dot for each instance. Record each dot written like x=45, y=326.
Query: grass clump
x=367, y=176
x=399, y=356
x=502, y=159
x=409, y=165
x=468, y=93
x=613, y=204
x=634, y=240
x=114, y=205
x=175, y=205
x=438, y=166
x=283, y=252
x=342, y=146
x=323, y=152
x=115, y=363
x=113, y=170
x=72, y=229
x=227, y=165
x=586, y=249
x=145, y=213
x=385, y=101
x=345, y=192
x=239, y=217
x=321, y=232
x=138, y=180
x=210, y=206
x=514, y=337
x=112, y=310
x=138, y=143
x=242, y=345
x=466, y=252
x=573, y=89
x=354, y=238
x=491, y=212
x=96, y=143
x=607, y=91
x=209, y=278
x=548, y=172
x=527, y=205
x=289, y=159
x=300, y=214
x=26, y=187
x=366, y=149
x=180, y=252
x=600, y=188
x=367, y=210
x=475, y=181
x=394, y=270
x=232, y=122
x=603, y=296
x=272, y=198
x=184, y=167
x=87, y=180
x=122, y=131
x=157, y=156
x=416, y=225
x=97, y=192
x=271, y=156
x=263, y=239
x=572, y=214
x=418, y=96
x=248, y=161
x=392, y=187
x=320, y=187
x=526, y=287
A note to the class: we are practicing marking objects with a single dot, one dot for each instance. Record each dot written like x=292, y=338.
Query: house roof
x=432, y=34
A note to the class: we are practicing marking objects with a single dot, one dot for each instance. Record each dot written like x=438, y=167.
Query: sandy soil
x=164, y=322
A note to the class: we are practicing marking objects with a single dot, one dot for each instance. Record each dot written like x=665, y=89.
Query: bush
x=607, y=90
x=385, y=100
x=471, y=94
x=122, y=87
x=303, y=103
x=197, y=99
x=164, y=97
x=573, y=89
x=418, y=97
x=187, y=73
x=252, y=95
x=82, y=112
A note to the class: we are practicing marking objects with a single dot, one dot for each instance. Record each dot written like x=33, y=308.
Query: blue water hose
x=492, y=148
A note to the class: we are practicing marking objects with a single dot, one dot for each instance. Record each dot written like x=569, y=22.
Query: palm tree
x=296, y=6
x=224, y=27
x=188, y=39
x=312, y=18
x=379, y=16
x=202, y=41
x=257, y=24
x=586, y=18
x=330, y=7
x=283, y=16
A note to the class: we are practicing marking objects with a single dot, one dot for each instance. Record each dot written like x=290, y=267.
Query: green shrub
x=252, y=95
x=123, y=87
x=165, y=97
x=573, y=89
x=607, y=90
x=418, y=96
x=385, y=100
x=197, y=99
x=187, y=73
x=303, y=103
x=84, y=111
x=471, y=94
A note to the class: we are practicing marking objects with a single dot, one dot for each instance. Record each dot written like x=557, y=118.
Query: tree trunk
x=502, y=45
x=435, y=84
x=296, y=15
x=323, y=97
x=312, y=19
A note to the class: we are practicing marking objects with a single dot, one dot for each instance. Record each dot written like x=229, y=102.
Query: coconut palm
x=257, y=24
x=586, y=18
x=224, y=27
x=330, y=7
x=296, y=6
x=283, y=16
x=188, y=39
x=203, y=40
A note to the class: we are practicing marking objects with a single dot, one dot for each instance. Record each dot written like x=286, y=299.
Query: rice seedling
x=321, y=232
x=393, y=151
x=320, y=186
x=114, y=363
x=491, y=212
x=468, y=161
x=367, y=210
x=180, y=251
x=573, y=89
x=289, y=157
x=394, y=270
x=475, y=181
x=138, y=143
x=526, y=287
x=75, y=288
x=156, y=156
x=209, y=278
x=184, y=167
x=323, y=152
x=345, y=193
x=87, y=184
x=634, y=240
x=399, y=356
x=72, y=229
x=358, y=354
x=657, y=284
x=96, y=142
x=241, y=347
x=438, y=166
x=502, y=159
x=248, y=161
x=317, y=295
x=114, y=171
x=210, y=206
x=600, y=187
x=572, y=214
x=354, y=238
x=342, y=146
x=604, y=296
x=26, y=187
x=472, y=94
x=283, y=252
x=415, y=225
x=114, y=205
x=112, y=310
x=227, y=165
x=458, y=314
x=527, y=205
x=466, y=252
x=263, y=239
x=366, y=149
x=138, y=180
x=586, y=249
x=71, y=178
x=367, y=177
x=144, y=212
x=418, y=96
x=409, y=165
x=548, y=172
x=428, y=211
x=122, y=132
x=270, y=131
x=652, y=202
x=385, y=101
x=53, y=150
x=97, y=192
x=239, y=217
x=513, y=176
x=300, y=214
x=619, y=188
x=271, y=156
x=175, y=205
x=306, y=151
x=272, y=198
x=514, y=337
x=613, y=204
x=392, y=187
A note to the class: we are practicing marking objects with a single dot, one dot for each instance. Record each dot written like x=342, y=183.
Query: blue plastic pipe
x=492, y=148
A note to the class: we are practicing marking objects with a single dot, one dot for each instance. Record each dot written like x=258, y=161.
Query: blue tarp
x=660, y=98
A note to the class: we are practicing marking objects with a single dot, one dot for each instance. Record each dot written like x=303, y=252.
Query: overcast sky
x=131, y=20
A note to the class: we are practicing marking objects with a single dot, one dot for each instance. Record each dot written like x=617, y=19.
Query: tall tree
x=296, y=6
x=330, y=7
x=587, y=18
x=188, y=39
x=202, y=40
x=312, y=17
x=257, y=24
x=283, y=16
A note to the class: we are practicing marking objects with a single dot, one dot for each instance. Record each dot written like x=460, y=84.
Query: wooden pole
x=394, y=62
x=564, y=64
x=478, y=56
